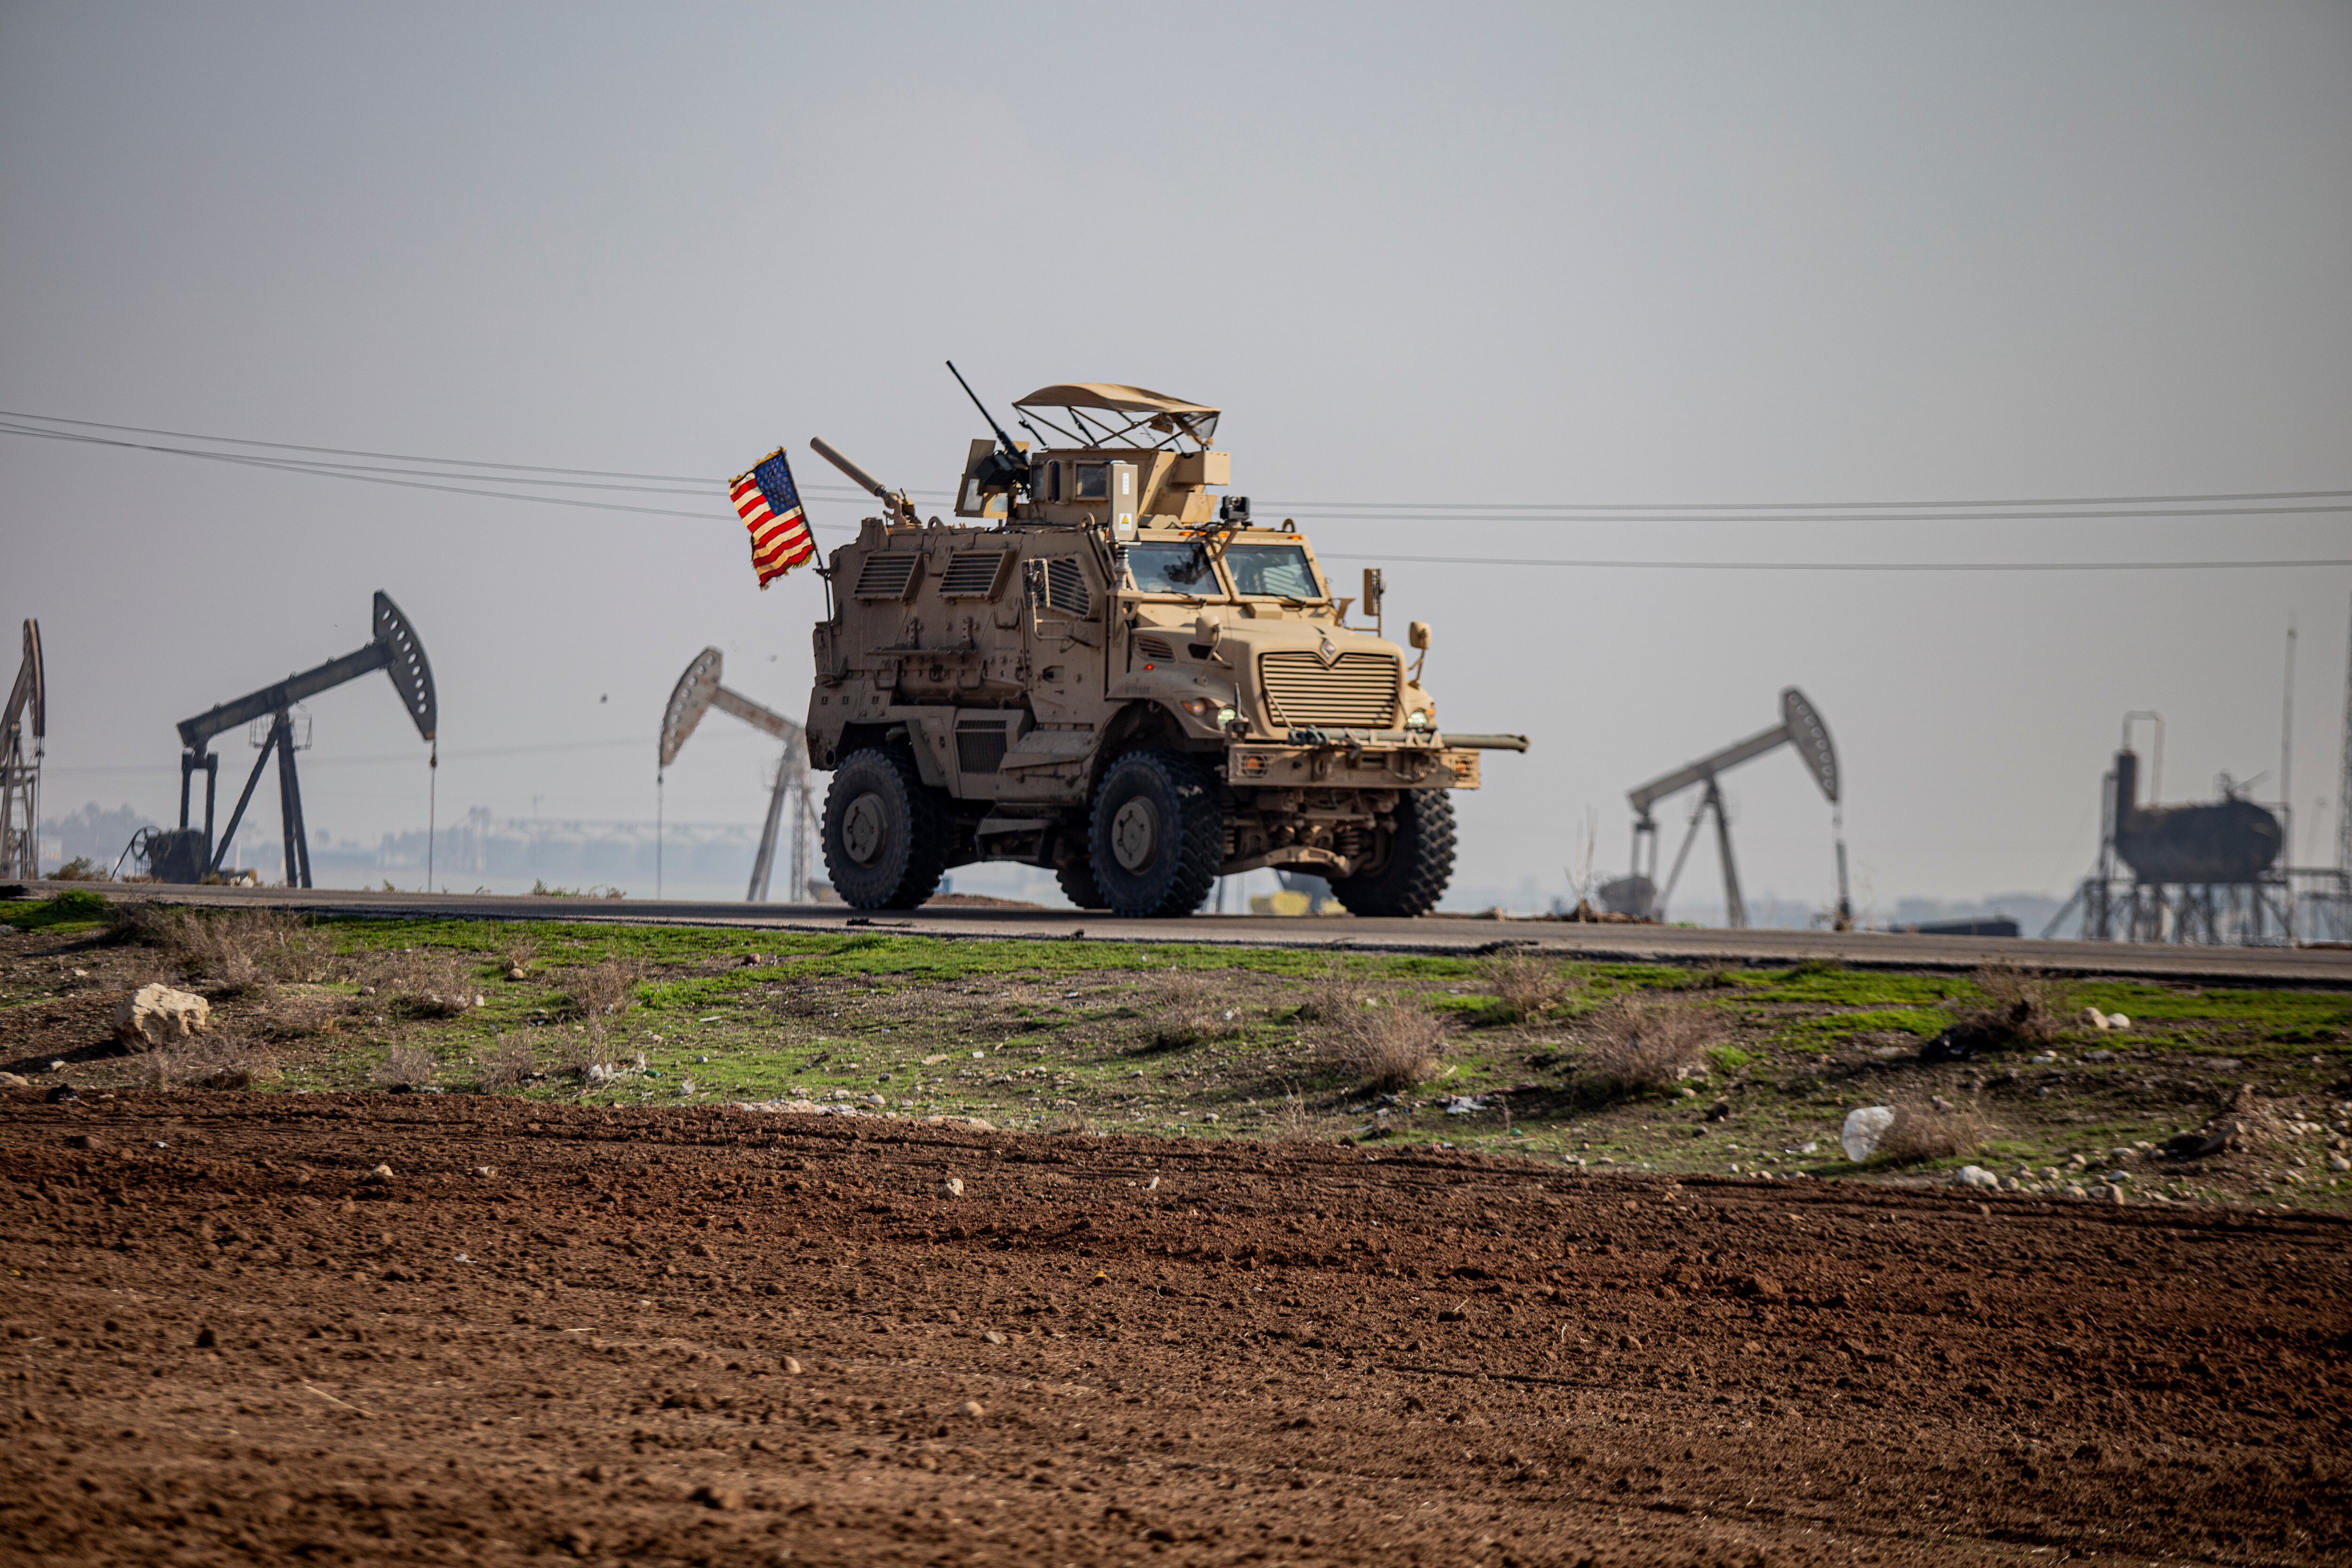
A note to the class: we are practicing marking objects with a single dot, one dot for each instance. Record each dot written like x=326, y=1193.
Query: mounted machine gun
x=1799, y=726
x=20, y=774
x=190, y=855
x=696, y=692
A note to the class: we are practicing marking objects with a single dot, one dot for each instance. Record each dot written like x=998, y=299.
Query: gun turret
x=1002, y=470
x=902, y=511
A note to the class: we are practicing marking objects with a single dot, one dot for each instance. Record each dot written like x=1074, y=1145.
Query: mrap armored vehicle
x=1102, y=668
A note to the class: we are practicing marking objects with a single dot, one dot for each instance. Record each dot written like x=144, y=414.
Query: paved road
x=2262, y=965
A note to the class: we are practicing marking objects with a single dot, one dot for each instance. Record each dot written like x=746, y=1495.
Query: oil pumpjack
x=189, y=854
x=1801, y=726
x=696, y=692
x=25, y=716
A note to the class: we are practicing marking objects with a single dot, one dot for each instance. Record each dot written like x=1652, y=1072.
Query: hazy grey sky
x=1556, y=253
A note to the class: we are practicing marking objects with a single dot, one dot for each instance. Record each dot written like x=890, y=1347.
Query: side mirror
x=1417, y=634
x=1374, y=585
x=1210, y=629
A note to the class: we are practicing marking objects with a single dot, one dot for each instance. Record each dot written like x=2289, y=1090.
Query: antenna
x=1010, y=449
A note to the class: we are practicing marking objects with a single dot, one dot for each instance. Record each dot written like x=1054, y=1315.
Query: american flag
x=770, y=507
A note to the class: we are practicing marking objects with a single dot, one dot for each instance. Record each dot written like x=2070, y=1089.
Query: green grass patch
x=78, y=908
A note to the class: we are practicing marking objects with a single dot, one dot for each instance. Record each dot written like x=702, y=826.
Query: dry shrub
x=506, y=1065
x=577, y=1051
x=1380, y=1037
x=1065, y=1122
x=1638, y=1045
x=2013, y=1008
x=603, y=990
x=207, y=1061
x=420, y=982
x=1187, y=1007
x=406, y=1066
x=1923, y=1134
x=1527, y=985
x=236, y=951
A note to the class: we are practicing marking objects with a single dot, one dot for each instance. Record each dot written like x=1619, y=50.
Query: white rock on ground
x=1974, y=1176
x=953, y=1187
x=156, y=1016
x=2093, y=1016
x=1864, y=1126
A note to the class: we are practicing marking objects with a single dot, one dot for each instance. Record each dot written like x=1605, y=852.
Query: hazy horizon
x=1701, y=253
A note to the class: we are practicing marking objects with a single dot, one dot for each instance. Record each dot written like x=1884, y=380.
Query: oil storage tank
x=2221, y=841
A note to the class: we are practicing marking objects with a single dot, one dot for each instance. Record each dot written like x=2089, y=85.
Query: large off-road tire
x=1420, y=861
x=1156, y=835
x=1078, y=886
x=886, y=836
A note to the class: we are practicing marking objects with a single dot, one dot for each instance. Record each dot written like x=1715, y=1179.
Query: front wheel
x=887, y=837
x=1420, y=861
x=1156, y=835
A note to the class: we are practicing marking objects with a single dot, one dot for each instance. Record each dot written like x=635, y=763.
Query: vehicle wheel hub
x=1135, y=835
x=863, y=828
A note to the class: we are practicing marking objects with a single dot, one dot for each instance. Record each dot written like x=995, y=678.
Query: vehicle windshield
x=1271, y=572
x=1174, y=568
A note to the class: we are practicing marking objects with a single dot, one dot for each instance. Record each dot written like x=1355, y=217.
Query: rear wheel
x=1419, y=864
x=1157, y=834
x=886, y=836
x=1077, y=880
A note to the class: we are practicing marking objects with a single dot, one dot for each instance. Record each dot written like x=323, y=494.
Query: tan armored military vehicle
x=1102, y=668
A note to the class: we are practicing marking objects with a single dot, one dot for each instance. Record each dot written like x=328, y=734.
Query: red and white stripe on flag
x=779, y=543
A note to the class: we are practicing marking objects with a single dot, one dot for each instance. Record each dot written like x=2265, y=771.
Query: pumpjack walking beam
x=395, y=649
x=698, y=692
x=27, y=713
x=1801, y=726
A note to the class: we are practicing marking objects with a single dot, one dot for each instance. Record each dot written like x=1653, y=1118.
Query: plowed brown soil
x=721, y=1337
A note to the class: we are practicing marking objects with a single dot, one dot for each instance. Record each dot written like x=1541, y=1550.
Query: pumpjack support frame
x=187, y=856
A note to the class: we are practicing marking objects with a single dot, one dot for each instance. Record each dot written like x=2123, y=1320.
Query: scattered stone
x=156, y=1016
x=953, y=1187
x=1974, y=1176
x=791, y=1366
x=1152, y=1186
x=2107, y=1194
x=58, y=1065
x=992, y=1337
x=486, y=1170
x=1864, y=1126
x=85, y=1141
x=2119, y=1021
x=15, y=1080
x=378, y=1176
x=727, y=1499
x=517, y=971
x=971, y=1407
x=2096, y=1019
x=1762, y=1287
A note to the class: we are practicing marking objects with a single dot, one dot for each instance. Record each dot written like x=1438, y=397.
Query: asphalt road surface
x=1436, y=933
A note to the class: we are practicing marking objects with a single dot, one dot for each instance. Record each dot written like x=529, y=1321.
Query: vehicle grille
x=1360, y=691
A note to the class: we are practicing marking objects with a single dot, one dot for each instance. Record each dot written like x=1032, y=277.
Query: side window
x=1094, y=482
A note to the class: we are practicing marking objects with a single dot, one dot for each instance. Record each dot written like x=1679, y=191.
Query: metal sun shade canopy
x=1801, y=726
x=395, y=649
x=696, y=692
x=26, y=714
x=1144, y=418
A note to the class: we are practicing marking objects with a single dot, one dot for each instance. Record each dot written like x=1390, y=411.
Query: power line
x=1839, y=565
x=1404, y=512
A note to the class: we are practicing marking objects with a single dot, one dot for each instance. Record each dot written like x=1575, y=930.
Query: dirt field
x=710, y=1335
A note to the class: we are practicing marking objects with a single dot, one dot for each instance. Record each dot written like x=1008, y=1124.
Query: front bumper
x=1353, y=758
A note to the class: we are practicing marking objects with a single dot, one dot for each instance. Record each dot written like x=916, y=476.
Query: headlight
x=1210, y=711
x=1416, y=719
